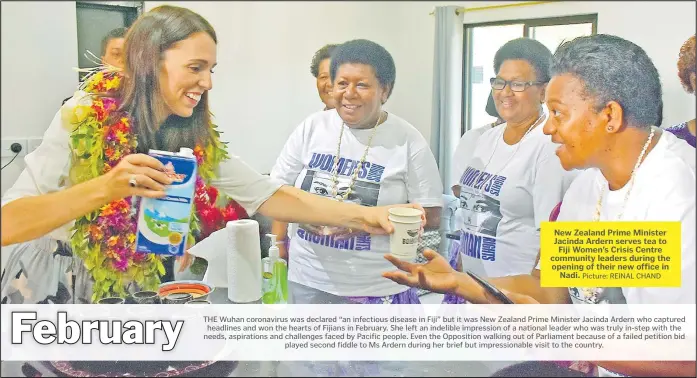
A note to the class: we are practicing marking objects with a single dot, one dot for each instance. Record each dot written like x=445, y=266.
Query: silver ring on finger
x=133, y=182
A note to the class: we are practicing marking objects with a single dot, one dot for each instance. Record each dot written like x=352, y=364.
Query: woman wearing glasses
x=512, y=180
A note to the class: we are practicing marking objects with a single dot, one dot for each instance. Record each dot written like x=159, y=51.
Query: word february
x=65, y=331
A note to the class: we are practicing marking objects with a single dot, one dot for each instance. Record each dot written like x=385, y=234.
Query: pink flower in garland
x=110, y=103
x=121, y=264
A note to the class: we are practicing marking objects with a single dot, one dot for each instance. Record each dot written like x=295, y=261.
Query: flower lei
x=105, y=238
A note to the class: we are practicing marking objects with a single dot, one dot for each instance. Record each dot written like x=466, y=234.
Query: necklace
x=104, y=239
x=481, y=187
x=599, y=206
x=354, y=176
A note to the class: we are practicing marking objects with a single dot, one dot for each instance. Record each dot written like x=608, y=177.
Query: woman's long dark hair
x=146, y=41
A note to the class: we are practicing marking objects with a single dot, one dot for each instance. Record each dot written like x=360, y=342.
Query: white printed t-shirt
x=664, y=190
x=461, y=157
x=463, y=152
x=399, y=168
x=504, y=201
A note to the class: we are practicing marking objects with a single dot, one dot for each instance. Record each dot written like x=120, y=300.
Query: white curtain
x=447, y=88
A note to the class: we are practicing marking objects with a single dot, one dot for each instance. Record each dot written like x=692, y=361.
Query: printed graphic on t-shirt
x=320, y=183
x=597, y=295
x=365, y=192
x=481, y=212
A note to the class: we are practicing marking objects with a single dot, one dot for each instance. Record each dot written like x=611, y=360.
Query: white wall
x=263, y=88
x=39, y=51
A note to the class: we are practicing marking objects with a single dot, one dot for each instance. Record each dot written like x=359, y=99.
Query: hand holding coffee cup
x=407, y=223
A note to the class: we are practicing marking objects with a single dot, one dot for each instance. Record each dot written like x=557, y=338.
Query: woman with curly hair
x=686, y=73
x=319, y=68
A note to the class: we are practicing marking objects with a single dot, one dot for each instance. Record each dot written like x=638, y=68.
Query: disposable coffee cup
x=404, y=241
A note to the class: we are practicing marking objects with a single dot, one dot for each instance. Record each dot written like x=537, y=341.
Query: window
x=552, y=32
x=483, y=40
x=97, y=18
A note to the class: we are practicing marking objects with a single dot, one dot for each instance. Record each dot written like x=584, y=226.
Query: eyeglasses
x=516, y=86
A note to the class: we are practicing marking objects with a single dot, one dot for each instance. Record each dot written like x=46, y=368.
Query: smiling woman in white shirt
x=360, y=153
x=70, y=217
x=357, y=153
x=604, y=99
x=511, y=181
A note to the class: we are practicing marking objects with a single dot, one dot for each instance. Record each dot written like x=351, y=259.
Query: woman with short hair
x=511, y=181
x=357, y=153
x=319, y=68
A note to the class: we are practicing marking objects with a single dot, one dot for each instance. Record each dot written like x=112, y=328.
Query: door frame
x=133, y=10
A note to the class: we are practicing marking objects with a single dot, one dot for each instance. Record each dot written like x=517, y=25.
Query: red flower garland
x=106, y=238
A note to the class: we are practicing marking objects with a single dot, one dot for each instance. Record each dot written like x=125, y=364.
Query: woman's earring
x=609, y=128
